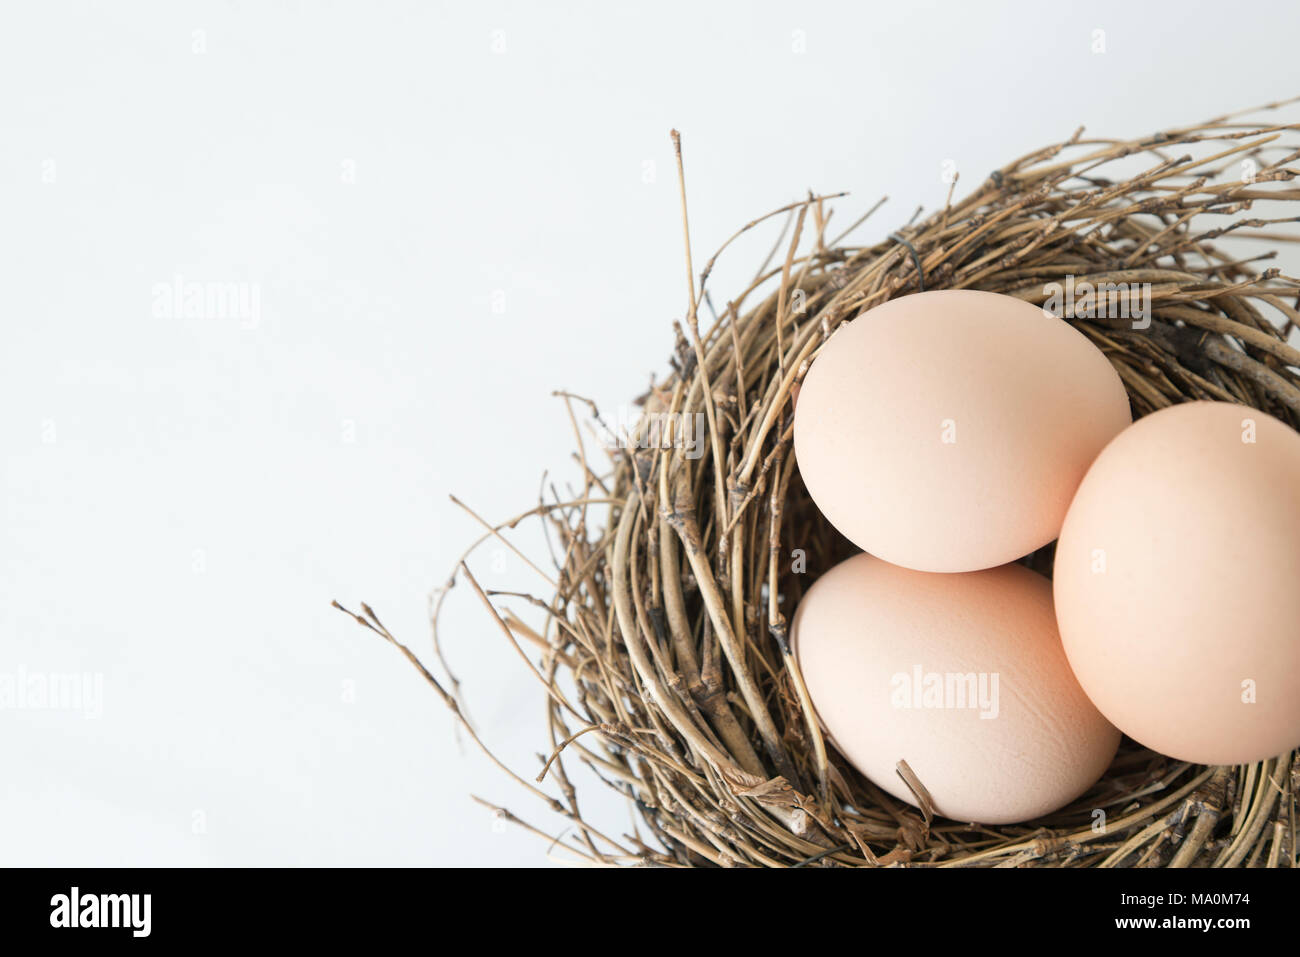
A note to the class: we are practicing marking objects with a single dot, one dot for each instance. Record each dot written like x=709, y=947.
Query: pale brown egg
x=947, y=431
x=1177, y=583
x=962, y=676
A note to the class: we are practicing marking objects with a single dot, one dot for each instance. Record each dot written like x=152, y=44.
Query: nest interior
x=664, y=654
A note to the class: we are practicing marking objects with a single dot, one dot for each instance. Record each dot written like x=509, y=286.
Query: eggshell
x=947, y=431
x=1177, y=583
x=866, y=629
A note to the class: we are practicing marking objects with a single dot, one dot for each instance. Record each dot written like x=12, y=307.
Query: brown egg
x=1177, y=583
x=962, y=676
x=947, y=431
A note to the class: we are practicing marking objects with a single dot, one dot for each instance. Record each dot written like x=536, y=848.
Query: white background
x=184, y=497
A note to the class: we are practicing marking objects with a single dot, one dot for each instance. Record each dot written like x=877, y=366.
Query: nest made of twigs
x=664, y=651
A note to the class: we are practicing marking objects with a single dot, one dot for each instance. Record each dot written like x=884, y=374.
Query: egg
x=962, y=676
x=947, y=431
x=1177, y=583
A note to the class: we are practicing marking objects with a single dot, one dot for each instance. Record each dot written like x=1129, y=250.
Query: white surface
x=181, y=500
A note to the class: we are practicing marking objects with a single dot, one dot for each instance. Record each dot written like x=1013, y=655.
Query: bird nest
x=661, y=638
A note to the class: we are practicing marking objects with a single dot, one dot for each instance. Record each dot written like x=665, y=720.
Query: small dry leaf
x=738, y=779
